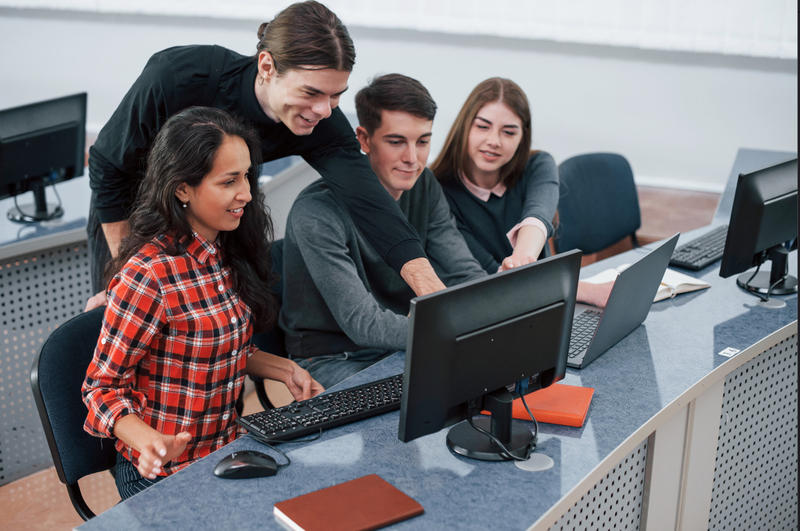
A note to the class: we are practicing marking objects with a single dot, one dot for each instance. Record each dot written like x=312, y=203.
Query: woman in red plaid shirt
x=192, y=284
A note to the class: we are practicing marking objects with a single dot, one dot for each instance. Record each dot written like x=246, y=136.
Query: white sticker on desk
x=728, y=352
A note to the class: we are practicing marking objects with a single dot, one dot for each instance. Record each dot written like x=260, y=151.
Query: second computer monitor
x=41, y=144
x=763, y=221
x=468, y=341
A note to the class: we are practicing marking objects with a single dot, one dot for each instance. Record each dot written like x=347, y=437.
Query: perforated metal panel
x=615, y=502
x=755, y=477
x=39, y=291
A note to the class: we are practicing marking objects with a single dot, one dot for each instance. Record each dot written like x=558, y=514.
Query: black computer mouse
x=246, y=464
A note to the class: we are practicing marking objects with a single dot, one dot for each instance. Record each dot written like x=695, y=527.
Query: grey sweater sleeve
x=322, y=234
x=445, y=246
x=541, y=189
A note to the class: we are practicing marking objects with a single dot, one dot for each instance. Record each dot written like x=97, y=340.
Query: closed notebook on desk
x=556, y=404
x=368, y=502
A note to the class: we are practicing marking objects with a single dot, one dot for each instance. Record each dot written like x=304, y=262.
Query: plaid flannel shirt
x=172, y=350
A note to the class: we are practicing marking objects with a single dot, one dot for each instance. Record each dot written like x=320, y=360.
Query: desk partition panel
x=615, y=502
x=755, y=477
x=40, y=290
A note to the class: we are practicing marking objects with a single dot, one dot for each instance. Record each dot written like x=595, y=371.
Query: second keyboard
x=702, y=251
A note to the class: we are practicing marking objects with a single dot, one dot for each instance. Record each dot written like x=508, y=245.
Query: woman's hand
x=96, y=300
x=517, y=259
x=594, y=294
x=528, y=244
x=154, y=447
x=160, y=449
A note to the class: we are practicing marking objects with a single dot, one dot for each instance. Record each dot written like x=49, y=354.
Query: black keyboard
x=702, y=251
x=583, y=327
x=325, y=411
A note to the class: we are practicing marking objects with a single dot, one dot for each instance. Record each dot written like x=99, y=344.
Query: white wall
x=679, y=117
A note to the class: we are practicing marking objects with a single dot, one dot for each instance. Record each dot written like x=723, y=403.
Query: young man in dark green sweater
x=343, y=307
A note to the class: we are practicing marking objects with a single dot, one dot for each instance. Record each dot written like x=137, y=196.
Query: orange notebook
x=557, y=404
x=368, y=502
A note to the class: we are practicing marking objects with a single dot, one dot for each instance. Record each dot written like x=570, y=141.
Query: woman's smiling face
x=493, y=139
x=218, y=202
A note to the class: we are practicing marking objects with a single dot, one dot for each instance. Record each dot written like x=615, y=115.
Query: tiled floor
x=40, y=501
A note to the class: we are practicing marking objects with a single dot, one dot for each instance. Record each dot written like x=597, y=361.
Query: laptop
x=595, y=330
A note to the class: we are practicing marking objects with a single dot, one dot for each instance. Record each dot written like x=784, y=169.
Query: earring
x=262, y=79
x=186, y=204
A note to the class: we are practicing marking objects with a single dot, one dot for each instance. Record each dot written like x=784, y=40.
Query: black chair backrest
x=598, y=204
x=56, y=378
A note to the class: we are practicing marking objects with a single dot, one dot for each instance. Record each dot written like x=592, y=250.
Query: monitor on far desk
x=41, y=144
x=763, y=221
x=468, y=343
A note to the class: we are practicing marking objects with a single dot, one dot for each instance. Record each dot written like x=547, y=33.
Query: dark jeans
x=331, y=369
x=128, y=479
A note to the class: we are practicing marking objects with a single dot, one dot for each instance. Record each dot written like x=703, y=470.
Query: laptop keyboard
x=702, y=251
x=583, y=327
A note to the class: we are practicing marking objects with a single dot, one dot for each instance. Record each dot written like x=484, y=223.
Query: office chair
x=272, y=341
x=56, y=378
x=598, y=204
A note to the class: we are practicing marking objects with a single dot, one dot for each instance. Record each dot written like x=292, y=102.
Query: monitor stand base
x=40, y=210
x=464, y=440
x=30, y=214
x=761, y=282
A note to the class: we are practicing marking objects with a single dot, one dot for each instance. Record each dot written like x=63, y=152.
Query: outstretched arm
x=529, y=237
x=333, y=151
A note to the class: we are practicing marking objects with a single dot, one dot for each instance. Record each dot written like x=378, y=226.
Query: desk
x=44, y=280
x=646, y=453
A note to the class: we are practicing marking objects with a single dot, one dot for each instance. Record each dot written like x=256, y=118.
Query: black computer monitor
x=763, y=226
x=41, y=144
x=469, y=342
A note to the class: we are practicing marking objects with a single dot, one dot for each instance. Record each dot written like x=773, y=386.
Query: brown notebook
x=368, y=502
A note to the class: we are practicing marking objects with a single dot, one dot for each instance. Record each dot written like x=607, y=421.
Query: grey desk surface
x=17, y=238
x=675, y=348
